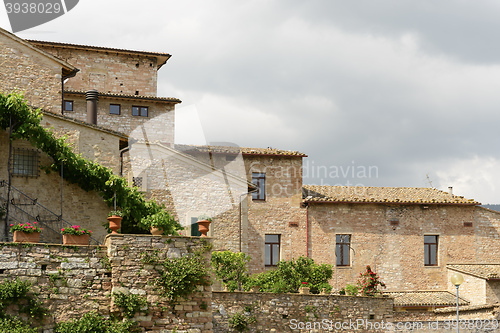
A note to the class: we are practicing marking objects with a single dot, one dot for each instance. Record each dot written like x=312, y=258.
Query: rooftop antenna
x=429, y=180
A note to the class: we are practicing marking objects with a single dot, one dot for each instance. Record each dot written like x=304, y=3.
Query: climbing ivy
x=89, y=175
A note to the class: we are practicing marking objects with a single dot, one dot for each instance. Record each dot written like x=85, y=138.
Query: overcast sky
x=408, y=88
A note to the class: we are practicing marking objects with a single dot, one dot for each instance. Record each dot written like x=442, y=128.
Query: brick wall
x=82, y=279
x=24, y=70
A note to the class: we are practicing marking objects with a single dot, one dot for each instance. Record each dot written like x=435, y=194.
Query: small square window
x=140, y=111
x=68, y=105
x=114, y=109
x=25, y=162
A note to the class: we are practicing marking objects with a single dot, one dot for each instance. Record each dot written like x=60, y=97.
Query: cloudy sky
x=408, y=90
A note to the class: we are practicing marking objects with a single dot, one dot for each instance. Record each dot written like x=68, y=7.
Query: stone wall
x=108, y=71
x=299, y=313
x=87, y=209
x=25, y=70
x=158, y=125
x=77, y=279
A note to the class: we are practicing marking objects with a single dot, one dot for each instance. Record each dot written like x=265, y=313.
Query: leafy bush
x=289, y=275
x=240, y=322
x=131, y=303
x=351, y=290
x=162, y=220
x=231, y=268
x=16, y=292
x=9, y=324
x=92, y=322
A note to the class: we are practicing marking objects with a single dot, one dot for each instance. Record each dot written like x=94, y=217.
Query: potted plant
x=75, y=235
x=203, y=224
x=26, y=232
x=115, y=220
x=304, y=288
x=161, y=223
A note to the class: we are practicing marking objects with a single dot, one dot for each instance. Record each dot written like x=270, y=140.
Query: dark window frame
x=70, y=103
x=428, y=254
x=25, y=163
x=119, y=109
x=259, y=179
x=272, y=250
x=140, y=109
x=341, y=246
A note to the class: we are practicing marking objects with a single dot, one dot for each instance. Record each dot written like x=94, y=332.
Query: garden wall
x=77, y=279
x=267, y=312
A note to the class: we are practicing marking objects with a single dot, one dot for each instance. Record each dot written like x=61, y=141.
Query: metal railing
x=22, y=209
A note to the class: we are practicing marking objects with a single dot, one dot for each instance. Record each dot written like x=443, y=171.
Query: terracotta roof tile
x=425, y=298
x=127, y=96
x=401, y=195
x=237, y=150
x=484, y=271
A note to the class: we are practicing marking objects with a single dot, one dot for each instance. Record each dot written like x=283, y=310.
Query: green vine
x=18, y=293
x=90, y=176
x=239, y=322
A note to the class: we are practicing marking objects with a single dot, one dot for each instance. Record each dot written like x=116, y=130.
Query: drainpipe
x=64, y=78
x=307, y=230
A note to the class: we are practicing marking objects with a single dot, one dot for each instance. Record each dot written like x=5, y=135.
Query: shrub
x=289, y=275
x=9, y=324
x=92, y=322
x=369, y=282
x=131, y=303
x=26, y=227
x=351, y=290
x=240, y=322
x=75, y=230
x=231, y=268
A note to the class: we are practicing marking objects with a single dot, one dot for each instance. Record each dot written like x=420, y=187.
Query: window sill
x=343, y=267
x=425, y=266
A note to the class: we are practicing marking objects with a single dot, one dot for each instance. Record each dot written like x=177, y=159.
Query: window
x=194, y=227
x=140, y=111
x=430, y=250
x=25, y=162
x=272, y=250
x=68, y=105
x=342, y=250
x=259, y=179
x=114, y=108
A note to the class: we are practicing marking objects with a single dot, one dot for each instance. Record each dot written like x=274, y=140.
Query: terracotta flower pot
x=156, y=231
x=203, y=227
x=26, y=237
x=115, y=222
x=76, y=239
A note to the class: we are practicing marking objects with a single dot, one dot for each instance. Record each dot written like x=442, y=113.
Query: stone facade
x=26, y=69
x=75, y=280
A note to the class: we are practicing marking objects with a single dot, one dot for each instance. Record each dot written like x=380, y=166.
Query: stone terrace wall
x=284, y=312
x=74, y=280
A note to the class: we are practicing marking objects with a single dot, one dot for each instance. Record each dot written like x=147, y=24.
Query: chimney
x=450, y=191
x=92, y=96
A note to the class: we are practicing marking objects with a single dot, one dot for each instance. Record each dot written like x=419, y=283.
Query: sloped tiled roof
x=162, y=57
x=359, y=194
x=425, y=298
x=237, y=150
x=484, y=271
x=127, y=96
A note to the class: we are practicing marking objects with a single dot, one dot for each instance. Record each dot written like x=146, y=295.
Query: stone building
x=410, y=236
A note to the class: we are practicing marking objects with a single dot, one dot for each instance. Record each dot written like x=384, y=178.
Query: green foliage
x=9, y=324
x=369, y=282
x=351, y=290
x=88, y=175
x=289, y=275
x=131, y=303
x=75, y=230
x=231, y=268
x=178, y=277
x=17, y=292
x=115, y=213
x=240, y=322
x=162, y=220
x=93, y=322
